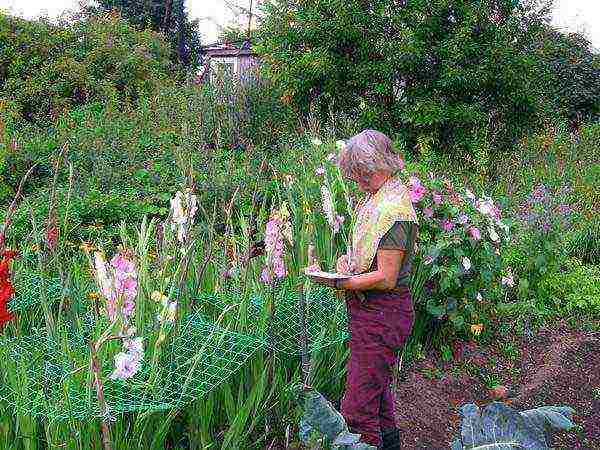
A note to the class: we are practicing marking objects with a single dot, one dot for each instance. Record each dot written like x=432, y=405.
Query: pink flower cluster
x=274, y=249
x=417, y=190
x=117, y=282
x=129, y=362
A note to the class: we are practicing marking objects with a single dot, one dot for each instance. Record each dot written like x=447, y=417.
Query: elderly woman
x=379, y=303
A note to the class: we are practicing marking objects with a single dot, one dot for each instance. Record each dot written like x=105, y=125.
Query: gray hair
x=368, y=152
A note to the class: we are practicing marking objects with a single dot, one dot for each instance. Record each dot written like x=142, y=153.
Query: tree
x=168, y=17
x=452, y=73
x=574, y=69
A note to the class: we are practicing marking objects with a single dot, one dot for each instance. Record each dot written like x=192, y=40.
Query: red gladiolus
x=6, y=288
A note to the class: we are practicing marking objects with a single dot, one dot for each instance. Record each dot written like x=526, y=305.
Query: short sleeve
x=396, y=238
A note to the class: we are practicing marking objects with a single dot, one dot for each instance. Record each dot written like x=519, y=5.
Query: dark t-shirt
x=402, y=236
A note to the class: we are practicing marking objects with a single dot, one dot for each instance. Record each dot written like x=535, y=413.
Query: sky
x=572, y=15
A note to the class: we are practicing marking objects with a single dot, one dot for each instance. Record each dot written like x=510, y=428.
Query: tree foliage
x=46, y=69
x=165, y=16
x=452, y=75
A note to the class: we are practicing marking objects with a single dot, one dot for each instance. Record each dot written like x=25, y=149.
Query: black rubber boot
x=390, y=439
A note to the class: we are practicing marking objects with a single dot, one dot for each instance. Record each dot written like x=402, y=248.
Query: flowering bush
x=544, y=217
x=458, y=263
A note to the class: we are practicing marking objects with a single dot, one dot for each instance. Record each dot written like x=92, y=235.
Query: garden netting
x=49, y=374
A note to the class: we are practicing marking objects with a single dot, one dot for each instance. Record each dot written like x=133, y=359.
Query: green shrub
x=584, y=243
x=47, y=69
x=576, y=288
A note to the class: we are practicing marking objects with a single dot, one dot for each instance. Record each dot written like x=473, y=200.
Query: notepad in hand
x=326, y=275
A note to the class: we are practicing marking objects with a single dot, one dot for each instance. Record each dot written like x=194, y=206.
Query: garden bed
x=557, y=365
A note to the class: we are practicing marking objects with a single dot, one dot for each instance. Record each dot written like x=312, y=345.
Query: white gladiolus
x=183, y=208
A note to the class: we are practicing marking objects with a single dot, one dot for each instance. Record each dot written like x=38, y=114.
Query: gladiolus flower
x=437, y=198
x=334, y=220
x=183, y=210
x=428, y=212
x=339, y=145
x=470, y=194
x=479, y=297
x=317, y=141
x=6, y=287
x=128, y=363
x=274, y=245
x=320, y=171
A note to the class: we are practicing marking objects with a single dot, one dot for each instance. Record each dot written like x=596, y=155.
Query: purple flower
x=463, y=219
x=437, y=198
x=447, y=225
x=475, y=233
x=428, y=212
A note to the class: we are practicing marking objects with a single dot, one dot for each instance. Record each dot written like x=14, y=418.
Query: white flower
x=104, y=280
x=134, y=346
x=340, y=145
x=508, y=280
x=470, y=195
x=503, y=226
x=466, y=262
x=183, y=209
x=485, y=207
x=317, y=141
x=493, y=235
x=320, y=171
x=479, y=297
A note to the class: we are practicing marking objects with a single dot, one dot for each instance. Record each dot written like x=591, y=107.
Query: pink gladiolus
x=475, y=233
x=274, y=247
x=417, y=190
x=428, y=212
x=447, y=225
x=437, y=198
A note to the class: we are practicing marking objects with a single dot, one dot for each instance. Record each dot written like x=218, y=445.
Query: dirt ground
x=556, y=365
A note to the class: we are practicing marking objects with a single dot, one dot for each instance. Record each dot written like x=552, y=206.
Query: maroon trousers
x=379, y=327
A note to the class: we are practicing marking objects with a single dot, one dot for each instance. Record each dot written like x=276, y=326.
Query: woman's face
x=371, y=182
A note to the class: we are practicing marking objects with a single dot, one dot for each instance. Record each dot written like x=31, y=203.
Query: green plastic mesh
x=57, y=384
x=28, y=286
x=325, y=319
x=50, y=376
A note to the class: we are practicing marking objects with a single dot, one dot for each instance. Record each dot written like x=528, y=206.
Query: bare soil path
x=557, y=365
